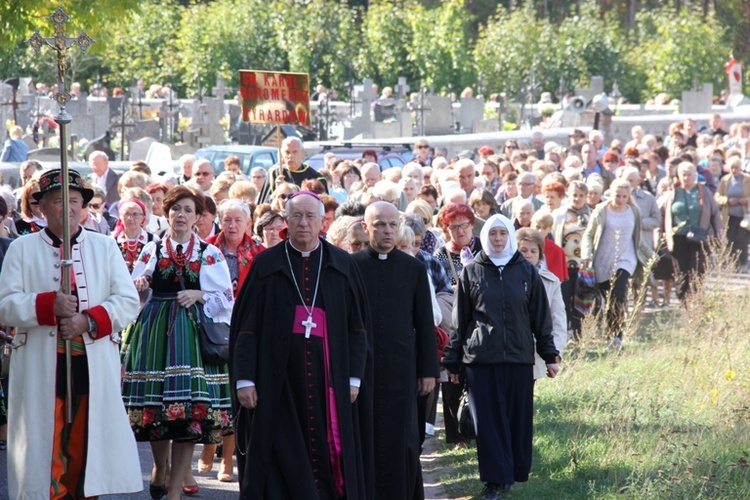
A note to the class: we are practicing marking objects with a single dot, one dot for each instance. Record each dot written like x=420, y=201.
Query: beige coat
x=31, y=271
x=559, y=319
x=723, y=200
x=595, y=229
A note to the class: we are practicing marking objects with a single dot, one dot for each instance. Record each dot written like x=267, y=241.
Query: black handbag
x=213, y=338
x=465, y=419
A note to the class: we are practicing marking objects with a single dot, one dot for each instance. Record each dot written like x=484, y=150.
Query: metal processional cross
x=60, y=43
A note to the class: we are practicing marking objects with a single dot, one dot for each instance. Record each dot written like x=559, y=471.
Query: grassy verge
x=666, y=417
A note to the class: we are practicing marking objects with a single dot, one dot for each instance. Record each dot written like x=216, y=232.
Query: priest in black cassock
x=298, y=353
x=405, y=352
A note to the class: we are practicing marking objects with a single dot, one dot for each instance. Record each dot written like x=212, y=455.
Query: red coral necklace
x=180, y=258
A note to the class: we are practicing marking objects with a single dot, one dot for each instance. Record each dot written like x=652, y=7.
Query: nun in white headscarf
x=500, y=309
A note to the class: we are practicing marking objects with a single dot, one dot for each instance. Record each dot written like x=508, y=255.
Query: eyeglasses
x=95, y=206
x=459, y=227
x=526, y=184
x=511, y=147
x=423, y=146
x=132, y=216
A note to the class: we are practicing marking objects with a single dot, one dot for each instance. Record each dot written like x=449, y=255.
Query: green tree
x=675, y=49
x=319, y=37
x=19, y=18
x=440, y=51
x=510, y=45
x=143, y=45
x=222, y=37
x=386, y=37
x=590, y=44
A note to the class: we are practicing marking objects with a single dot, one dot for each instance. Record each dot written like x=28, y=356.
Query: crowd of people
x=353, y=296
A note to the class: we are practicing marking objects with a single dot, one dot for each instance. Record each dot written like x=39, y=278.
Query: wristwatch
x=92, y=326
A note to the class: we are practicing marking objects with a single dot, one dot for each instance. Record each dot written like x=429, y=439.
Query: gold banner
x=273, y=97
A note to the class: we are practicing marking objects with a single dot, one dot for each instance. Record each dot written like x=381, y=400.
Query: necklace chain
x=294, y=279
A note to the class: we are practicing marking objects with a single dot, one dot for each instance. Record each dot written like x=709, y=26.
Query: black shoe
x=506, y=488
x=490, y=492
x=157, y=492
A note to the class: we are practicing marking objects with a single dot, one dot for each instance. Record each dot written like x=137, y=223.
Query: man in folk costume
x=299, y=352
x=96, y=454
x=404, y=352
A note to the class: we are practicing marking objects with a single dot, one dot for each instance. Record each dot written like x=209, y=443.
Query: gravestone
x=402, y=88
x=471, y=112
x=139, y=149
x=144, y=128
x=27, y=104
x=438, y=117
x=597, y=87
x=361, y=125
x=6, y=110
x=697, y=101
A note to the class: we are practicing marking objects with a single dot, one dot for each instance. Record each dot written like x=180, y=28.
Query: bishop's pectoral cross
x=309, y=325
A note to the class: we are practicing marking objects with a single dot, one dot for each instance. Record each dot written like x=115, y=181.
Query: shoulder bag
x=212, y=337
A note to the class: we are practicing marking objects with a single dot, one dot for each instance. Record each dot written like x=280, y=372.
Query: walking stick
x=60, y=43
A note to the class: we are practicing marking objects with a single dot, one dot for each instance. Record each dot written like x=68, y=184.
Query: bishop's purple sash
x=334, y=433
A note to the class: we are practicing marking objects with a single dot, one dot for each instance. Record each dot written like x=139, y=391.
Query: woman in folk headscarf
x=129, y=232
x=500, y=309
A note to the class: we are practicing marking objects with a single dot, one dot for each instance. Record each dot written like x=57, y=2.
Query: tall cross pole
x=60, y=43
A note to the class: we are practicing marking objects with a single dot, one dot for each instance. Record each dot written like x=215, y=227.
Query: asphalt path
x=210, y=487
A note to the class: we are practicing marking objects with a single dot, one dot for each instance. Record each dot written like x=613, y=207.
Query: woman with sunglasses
x=281, y=194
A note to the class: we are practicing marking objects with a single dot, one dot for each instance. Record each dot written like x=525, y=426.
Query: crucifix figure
x=309, y=324
x=60, y=43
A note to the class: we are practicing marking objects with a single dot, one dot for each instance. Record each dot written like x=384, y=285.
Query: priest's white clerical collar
x=383, y=256
x=304, y=254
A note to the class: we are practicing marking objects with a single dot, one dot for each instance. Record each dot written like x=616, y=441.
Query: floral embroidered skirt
x=167, y=391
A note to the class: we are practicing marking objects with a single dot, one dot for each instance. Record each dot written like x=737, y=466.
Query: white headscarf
x=499, y=258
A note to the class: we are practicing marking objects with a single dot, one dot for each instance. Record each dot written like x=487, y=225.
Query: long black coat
x=405, y=349
x=259, y=349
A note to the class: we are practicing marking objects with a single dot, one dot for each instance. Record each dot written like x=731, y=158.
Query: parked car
x=388, y=155
x=250, y=156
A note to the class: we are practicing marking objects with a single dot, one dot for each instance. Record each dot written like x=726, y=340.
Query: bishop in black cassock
x=298, y=335
x=405, y=352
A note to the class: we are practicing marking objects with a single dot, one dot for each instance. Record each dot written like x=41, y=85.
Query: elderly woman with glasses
x=270, y=228
x=129, y=231
x=457, y=221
